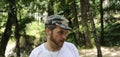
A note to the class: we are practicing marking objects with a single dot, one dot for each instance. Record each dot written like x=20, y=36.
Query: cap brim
x=64, y=27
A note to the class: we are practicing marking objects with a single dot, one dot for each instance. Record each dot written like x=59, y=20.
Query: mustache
x=62, y=40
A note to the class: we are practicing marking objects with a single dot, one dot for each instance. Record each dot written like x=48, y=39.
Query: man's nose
x=64, y=36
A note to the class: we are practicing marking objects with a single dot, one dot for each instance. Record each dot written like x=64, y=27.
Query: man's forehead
x=59, y=28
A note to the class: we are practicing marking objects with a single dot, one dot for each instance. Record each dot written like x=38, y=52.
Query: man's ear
x=48, y=31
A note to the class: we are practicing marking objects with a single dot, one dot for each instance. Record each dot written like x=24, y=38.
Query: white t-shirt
x=68, y=50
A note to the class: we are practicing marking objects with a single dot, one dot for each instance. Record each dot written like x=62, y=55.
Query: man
x=56, y=28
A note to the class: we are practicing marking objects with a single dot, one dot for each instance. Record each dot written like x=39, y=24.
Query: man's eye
x=60, y=32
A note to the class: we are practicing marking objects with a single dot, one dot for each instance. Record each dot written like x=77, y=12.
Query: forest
x=95, y=24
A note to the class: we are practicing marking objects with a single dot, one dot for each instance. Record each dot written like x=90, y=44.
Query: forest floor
x=106, y=52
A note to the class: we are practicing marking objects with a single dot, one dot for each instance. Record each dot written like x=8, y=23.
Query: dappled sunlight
x=106, y=52
x=10, y=49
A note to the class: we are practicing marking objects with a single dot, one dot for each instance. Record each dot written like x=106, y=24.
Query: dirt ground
x=106, y=52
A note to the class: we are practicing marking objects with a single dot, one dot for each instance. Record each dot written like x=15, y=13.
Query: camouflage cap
x=58, y=20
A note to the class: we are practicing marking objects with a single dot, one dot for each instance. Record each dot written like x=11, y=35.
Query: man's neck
x=51, y=46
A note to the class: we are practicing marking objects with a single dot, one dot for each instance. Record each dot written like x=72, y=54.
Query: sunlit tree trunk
x=96, y=39
x=12, y=19
x=84, y=15
x=6, y=35
x=17, y=34
x=7, y=31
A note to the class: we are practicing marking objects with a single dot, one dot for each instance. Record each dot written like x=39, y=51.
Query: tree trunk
x=7, y=32
x=76, y=24
x=17, y=36
x=84, y=15
x=12, y=19
x=96, y=39
x=6, y=35
x=102, y=23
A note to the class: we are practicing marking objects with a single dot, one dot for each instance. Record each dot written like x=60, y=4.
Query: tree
x=17, y=36
x=102, y=23
x=12, y=20
x=95, y=35
x=79, y=38
x=111, y=21
x=96, y=39
x=7, y=32
x=84, y=15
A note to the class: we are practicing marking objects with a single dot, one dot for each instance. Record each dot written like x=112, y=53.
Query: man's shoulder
x=37, y=50
x=72, y=48
x=69, y=44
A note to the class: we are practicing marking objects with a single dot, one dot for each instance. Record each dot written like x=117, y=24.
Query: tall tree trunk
x=76, y=24
x=7, y=32
x=84, y=15
x=96, y=39
x=102, y=23
x=17, y=36
x=66, y=13
x=6, y=35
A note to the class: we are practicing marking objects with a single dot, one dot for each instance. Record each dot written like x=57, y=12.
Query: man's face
x=58, y=36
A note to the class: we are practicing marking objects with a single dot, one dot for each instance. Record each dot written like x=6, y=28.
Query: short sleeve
x=35, y=52
x=74, y=49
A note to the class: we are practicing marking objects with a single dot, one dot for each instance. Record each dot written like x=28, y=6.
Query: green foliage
x=37, y=30
x=3, y=19
x=112, y=35
x=94, y=6
x=34, y=32
x=25, y=21
x=114, y=5
x=70, y=38
x=32, y=35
